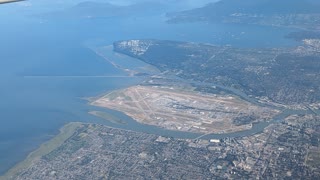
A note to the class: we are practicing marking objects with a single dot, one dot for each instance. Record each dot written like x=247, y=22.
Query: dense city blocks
x=287, y=150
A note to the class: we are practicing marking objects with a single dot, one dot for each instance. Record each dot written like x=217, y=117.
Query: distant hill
x=297, y=13
x=225, y=7
x=91, y=9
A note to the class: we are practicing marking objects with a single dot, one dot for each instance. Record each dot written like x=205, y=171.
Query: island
x=175, y=108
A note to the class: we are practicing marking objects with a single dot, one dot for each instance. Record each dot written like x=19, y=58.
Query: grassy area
x=314, y=158
x=115, y=94
x=65, y=133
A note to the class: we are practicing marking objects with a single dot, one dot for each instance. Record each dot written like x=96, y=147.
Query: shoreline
x=65, y=132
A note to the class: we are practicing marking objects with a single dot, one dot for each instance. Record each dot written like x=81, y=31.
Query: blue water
x=33, y=109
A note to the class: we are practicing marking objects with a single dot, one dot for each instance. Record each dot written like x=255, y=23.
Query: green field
x=314, y=158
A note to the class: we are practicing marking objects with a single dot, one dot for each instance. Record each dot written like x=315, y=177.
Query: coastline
x=65, y=133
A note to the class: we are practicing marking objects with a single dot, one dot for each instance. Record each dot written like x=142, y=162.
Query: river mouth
x=120, y=120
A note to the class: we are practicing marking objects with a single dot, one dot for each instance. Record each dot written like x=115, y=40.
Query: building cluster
x=289, y=149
